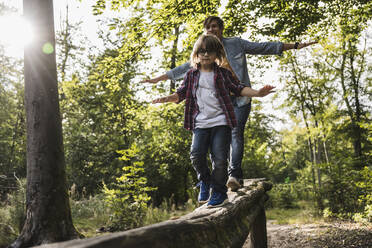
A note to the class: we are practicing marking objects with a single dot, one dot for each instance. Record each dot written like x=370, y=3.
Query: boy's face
x=213, y=28
x=205, y=56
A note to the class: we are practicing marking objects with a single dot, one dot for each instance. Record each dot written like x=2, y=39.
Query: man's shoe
x=204, y=192
x=233, y=184
x=217, y=199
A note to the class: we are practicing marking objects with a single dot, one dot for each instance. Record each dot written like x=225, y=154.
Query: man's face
x=213, y=28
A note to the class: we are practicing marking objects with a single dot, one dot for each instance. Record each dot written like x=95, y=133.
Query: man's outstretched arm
x=155, y=80
x=173, y=74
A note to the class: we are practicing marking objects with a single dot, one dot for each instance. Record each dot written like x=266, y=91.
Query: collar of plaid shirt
x=224, y=82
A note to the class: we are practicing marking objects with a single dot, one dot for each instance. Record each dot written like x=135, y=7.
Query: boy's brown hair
x=211, y=43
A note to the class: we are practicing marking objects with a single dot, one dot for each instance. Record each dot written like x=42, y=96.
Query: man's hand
x=264, y=91
x=302, y=45
x=288, y=46
x=155, y=80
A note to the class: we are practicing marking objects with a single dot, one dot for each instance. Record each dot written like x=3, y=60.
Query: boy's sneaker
x=233, y=183
x=204, y=192
x=217, y=199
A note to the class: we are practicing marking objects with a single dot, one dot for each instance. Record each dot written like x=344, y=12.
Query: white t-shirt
x=210, y=111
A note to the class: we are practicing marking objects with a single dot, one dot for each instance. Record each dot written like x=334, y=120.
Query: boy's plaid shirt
x=224, y=83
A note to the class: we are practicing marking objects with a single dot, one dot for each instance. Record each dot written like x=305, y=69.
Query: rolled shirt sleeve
x=262, y=48
x=234, y=85
x=179, y=71
x=236, y=50
x=181, y=91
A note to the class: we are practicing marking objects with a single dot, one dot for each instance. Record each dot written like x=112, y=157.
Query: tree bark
x=47, y=203
x=174, y=56
x=258, y=234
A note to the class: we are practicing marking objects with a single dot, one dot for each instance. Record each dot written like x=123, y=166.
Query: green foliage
x=283, y=196
x=128, y=197
x=98, y=120
x=86, y=208
x=327, y=92
x=339, y=190
x=364, y=185
x=260, y=142
x=12, y=118
x=161, y=24
x=305, y=213
x=18, y=203
x=7, y=231
x=13, y=214
x=90, y=214
x=167, y=210
x=286, y=18
x=164, y=149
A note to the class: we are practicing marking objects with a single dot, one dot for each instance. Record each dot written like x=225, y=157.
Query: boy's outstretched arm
x=267, y=89
x=171, y=98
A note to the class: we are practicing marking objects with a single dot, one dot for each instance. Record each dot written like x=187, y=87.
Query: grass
x=91, y=214
x=7, y=231
x=305, y=213
x=167, y=211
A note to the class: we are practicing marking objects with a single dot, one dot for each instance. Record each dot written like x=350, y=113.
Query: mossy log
x=226, y=226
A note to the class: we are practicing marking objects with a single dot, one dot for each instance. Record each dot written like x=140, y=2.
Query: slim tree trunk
x=354, y=116
x=174, y=56
x=312, y=163
x=47, y=204
x=357, y=143
x=65, y=46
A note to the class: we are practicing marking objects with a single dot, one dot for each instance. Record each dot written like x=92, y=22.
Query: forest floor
x=320, y=235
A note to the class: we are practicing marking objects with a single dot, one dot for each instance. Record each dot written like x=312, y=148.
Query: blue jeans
x=217, y=140
x=237, y=141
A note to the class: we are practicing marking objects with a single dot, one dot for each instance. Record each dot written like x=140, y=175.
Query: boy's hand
x=264, y=91
x=171, y=98
x=160, y=100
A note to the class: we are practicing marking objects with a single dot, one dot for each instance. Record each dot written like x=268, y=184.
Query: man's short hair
x=210, y=19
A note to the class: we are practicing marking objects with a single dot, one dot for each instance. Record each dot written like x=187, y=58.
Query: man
x=236, y=50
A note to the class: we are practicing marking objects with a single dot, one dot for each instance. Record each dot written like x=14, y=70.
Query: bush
x=128, y=197
x=13, y=215
x=18, y=205
x=365, y=196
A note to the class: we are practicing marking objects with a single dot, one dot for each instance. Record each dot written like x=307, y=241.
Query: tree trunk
x=174, y=56
x=47, y=204
x=357, y=131
x=354, y=116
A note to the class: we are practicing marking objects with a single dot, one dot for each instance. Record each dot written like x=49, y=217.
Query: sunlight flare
x=16, y=32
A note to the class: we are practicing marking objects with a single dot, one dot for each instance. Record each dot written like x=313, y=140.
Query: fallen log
x=222, y=227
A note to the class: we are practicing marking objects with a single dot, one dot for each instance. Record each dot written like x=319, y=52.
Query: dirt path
x=325, y=235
